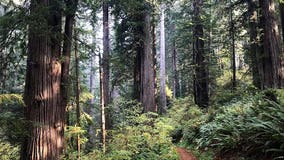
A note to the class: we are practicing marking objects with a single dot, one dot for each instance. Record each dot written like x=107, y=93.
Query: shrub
x=252, y=126
x=147, y=139
x=12, y=126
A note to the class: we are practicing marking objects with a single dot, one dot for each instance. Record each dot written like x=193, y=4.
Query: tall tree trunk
x=71, y=7
x=90, y=108
x=254, y=55
x=154, y=50
x=43, y=77
x=147, y=69
x=105, y=62
x=175, y=82
x=270, y=45
x=137, y=79
x=281, y=8
x=163, y=99
x=232, y=36
x=78, y=113
x=103, y=116
x=201, y=96
x=138, y=47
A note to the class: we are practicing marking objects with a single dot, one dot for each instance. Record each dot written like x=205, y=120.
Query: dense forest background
x=140, y=79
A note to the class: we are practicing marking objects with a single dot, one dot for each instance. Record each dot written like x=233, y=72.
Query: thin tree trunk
x=201, y=69
x=233, y=60
x=153, y=32
x=175, y=83
x=105, y=62
x=148, y=82
x=103, y=116
x=163, y=99
x=77, y=97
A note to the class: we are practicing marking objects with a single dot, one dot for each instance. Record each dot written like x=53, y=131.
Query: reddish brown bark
x=42, y=90
x=270, y=47
x=45, y=97
x=147, y=69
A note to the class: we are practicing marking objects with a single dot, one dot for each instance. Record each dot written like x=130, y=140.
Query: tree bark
x=138, y=47
x=78, y=112
x=281, y=8
x=147, y=68
x=163, y=98
x=233, y=59
x=154, y=51
x=105, y=62
x=201, y=89
x=71, y=7
x=43, y=78
x=175, y=82
x=46, y=79
x=270, y=52
x=254, y=55
x=103, y=116
x=137, y=76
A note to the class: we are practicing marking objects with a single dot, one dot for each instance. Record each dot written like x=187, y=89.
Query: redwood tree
x=147, y=68
x=163, y=99
x=45, y=97
x=254, y=55
x=201, y=89
x=105, y=57
x=270, y=47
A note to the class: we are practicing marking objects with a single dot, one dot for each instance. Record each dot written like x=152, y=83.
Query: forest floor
x=184, y=154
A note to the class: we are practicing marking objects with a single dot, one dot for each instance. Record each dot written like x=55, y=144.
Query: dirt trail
x=184, y=154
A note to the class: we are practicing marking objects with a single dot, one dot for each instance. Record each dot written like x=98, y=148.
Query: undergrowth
x=244, y=126
x=137, y=136
x=250, y=126
x=12, y=126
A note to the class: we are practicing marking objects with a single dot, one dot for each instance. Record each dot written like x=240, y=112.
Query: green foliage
x=12, y=122
x=8, y=99
x=187, y=119
x=148, y=139
x=13, y=45
x=12, y=126
x=251, y=125
x=72, y=131
x=137, y=136
x=9, y=151
x=125, y=112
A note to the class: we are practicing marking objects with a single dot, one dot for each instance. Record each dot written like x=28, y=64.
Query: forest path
x=184, y=154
